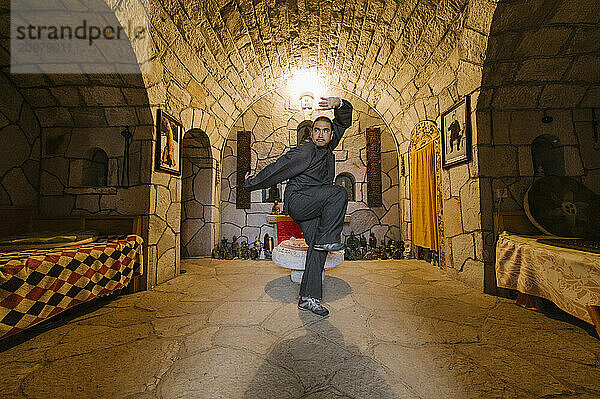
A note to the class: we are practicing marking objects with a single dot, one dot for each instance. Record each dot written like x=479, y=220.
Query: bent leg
x=334, y=200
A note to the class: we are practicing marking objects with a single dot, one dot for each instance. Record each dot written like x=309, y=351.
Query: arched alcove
x=95, y=170
x=275, y=125
x=347, y=181
x=198, y=207
x=547, y=156
x=303, y=131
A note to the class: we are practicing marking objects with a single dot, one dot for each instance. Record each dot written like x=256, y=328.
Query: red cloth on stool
x=287, y=228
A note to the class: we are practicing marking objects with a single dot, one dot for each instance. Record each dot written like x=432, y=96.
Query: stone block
x=193, y=209
x=128, y=201
x=67, y=96
x=174, y=216
x=39, y=97
x=570, y=12
x=14, y=148
x=501, y=126
x=480, y=14
x=102, y=96
x=50, y=184
x=452, y=217
x=525, y=161
x=463, y=248
x=591, y=98
x=88, y=117
x=470, y=199
x=473, y=46
x=54, y=117
x=459, y=175
x=20, y=190
x=585, y=69
x=512, y=97
x=498, y=161
x=573, y=165
x=589, y=155
x=121, y=116
x=544, y=41
x=89, y=203
x=543, y=69
x=526, y=126
x=582, y=115
x=562, y=95
x=592, y=180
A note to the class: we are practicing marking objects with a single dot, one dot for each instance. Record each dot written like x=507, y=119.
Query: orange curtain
x=423, y=200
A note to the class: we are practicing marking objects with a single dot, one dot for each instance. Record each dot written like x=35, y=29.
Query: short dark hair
x=324, y=119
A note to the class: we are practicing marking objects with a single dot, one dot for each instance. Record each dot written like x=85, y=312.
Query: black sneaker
x=314, y=305
x=336, y=246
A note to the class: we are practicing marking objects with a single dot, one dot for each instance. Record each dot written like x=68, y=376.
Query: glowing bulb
x=306, y=81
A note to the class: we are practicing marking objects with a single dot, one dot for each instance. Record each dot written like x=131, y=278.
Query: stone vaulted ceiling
x=362, y=45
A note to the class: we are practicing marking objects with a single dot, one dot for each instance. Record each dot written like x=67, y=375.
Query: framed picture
x=456, y=134
x=169, y=134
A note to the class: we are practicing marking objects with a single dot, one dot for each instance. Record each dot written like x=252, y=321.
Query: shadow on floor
x=316, y=363
x=284, y=290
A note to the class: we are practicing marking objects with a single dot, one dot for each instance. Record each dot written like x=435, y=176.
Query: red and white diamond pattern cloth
x=37, y=284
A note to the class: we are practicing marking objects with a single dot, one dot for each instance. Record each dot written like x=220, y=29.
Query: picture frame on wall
x=169, y=135
x=456, y=134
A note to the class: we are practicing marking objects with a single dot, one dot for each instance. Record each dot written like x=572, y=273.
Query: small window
x=346, y=180
x=303, y=131
x=95, y=170
x=272, y=194
x=547, y=156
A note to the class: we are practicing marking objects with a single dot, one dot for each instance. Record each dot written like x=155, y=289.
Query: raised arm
x=342, y=111
x=290, y=164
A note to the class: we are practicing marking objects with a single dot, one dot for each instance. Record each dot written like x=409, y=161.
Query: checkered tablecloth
x=38, y=284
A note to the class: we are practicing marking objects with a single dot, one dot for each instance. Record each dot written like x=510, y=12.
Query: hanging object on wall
x=168, y=143
x=374, y=197
x=306, y=101
x=456, y=134
x=127, y=135
x=242, y=197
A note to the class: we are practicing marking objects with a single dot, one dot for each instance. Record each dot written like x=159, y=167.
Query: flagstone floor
x=231, y=329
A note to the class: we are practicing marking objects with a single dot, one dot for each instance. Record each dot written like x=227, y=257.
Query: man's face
x=321, y=133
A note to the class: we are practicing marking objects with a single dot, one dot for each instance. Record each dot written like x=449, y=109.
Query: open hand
x=248, y=174
x=326, y=103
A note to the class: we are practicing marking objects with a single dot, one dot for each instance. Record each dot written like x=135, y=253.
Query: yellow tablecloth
x=567, y=277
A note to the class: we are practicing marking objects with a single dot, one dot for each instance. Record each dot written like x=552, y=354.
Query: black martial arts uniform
x=311, y=198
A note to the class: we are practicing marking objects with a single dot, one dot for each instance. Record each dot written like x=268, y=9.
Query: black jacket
x=306, y=165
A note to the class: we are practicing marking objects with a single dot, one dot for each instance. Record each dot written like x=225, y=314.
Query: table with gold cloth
x=570, y=278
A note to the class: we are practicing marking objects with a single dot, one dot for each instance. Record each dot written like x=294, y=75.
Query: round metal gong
x=562, y=206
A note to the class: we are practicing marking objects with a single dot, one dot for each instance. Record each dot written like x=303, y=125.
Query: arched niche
x=303, y=131
x=95, y=169
x=198, y=208
x=547, y=156
x=423, y=134
x=347, y=181
x=273, y=125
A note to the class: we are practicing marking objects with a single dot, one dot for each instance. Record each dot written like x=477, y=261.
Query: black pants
x=319, y=211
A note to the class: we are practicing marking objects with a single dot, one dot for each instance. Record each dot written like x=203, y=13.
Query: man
x=311, y=198
x=455, y=134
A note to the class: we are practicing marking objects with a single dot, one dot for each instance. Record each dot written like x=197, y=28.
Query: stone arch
x=423, y=134
x=199, y=208
x=274, y=129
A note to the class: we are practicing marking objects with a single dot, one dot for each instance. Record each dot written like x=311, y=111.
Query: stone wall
x=273, y=122
x=543, y=62
x=19, y=149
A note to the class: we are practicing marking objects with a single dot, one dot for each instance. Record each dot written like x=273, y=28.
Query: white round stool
x=291, y=254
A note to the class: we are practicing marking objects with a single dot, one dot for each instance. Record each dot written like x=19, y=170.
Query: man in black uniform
x=311, y=198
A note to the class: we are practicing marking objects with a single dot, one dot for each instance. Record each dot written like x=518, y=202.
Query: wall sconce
x=306, y=101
